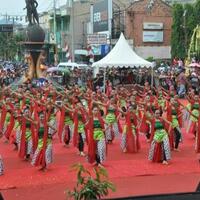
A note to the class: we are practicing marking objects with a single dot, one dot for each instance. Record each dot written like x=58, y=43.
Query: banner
x=100, y=16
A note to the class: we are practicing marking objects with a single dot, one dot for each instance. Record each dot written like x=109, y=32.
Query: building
x=135, y=18
x=62, y=30
x=148, y=24
x=82, y=24
x=10, y=25
x=179, y=1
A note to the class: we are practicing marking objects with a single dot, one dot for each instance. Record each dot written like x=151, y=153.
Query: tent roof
x=122, y=56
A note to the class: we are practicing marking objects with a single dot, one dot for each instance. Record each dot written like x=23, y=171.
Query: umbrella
x=194, y=65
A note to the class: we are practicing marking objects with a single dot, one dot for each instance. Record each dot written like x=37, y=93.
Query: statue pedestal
x=35, y=37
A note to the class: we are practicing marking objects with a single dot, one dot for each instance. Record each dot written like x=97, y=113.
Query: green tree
x=190, y=23
x=178, y=37
x=9, y=45
x=197, y=11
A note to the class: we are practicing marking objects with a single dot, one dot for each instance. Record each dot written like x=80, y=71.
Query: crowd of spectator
x=10, y=71
x=165, y=75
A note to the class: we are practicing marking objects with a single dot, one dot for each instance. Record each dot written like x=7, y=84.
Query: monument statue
x=32, y=14
x=34, y=42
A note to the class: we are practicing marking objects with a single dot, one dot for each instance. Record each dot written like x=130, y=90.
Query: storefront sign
x=152, y=36
x=96, y=49
x=97, y=39
x=152, y=26
x=100, y=16
x=6, y=28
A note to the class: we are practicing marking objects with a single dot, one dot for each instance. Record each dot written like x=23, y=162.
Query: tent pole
x=152, y=73
x=104, y=81
x=152, y=77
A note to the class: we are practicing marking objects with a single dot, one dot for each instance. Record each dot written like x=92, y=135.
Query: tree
x=178, y=37
x=9, y=45
x=197, y=11
x=190, y=23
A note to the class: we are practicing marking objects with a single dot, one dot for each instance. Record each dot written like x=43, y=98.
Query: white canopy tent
x=122, y=56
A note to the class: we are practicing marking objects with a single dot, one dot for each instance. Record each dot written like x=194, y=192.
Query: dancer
x=51, y=113
x=15, y=134
x=27, y=137
x=193, y=109
x=112, y=129
x=149, y=108
x=43, y=154
x=79, y=136
x=172, y=116
x=7, y=118
x=197, y=141
x=160, y=147
x=130, y=136
x=96, y=141
x=1, y=161
x=66, y=127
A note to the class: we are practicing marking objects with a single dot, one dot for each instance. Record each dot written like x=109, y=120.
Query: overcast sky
x=15, y=7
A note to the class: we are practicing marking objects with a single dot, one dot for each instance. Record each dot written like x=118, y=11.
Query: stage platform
x=132, y=174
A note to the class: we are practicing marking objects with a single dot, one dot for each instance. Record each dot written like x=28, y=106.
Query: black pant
x=68, y=136
x=80, y=143
x=98, y=159
x=177, y=137
x=164, y=156
x=148, y=134
x=1, y=197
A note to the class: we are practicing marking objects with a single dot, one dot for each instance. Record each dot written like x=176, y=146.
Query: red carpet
x=131, y=173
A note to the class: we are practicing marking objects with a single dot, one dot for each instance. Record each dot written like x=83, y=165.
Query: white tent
x=122, y=56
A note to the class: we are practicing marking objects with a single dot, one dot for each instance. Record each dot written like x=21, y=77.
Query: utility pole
x=72, y=29
x=54, y=30
x=54, y=20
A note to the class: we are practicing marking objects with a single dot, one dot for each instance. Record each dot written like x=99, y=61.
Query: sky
x=15, y=7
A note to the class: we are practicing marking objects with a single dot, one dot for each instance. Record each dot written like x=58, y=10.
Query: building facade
x=145, y=23
x=179, y=1
x=148, y=24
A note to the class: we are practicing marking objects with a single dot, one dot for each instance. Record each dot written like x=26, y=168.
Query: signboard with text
x=6, y=28
x=152, y=26
x=97, y=39
x=152, y=36
x=100, y=16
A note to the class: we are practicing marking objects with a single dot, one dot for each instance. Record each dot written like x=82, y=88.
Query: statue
x=34, y=42
x=32, y=14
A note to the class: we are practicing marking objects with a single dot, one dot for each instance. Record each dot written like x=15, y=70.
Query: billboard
x=152, y=36
x=152, y=25
x=97, y=39
x=6, y=28
x=101, y=16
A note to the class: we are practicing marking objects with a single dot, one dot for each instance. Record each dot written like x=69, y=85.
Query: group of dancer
x=31, y=117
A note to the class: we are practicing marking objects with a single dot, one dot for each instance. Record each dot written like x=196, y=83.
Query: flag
x=68, y=54
x=90, y=54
